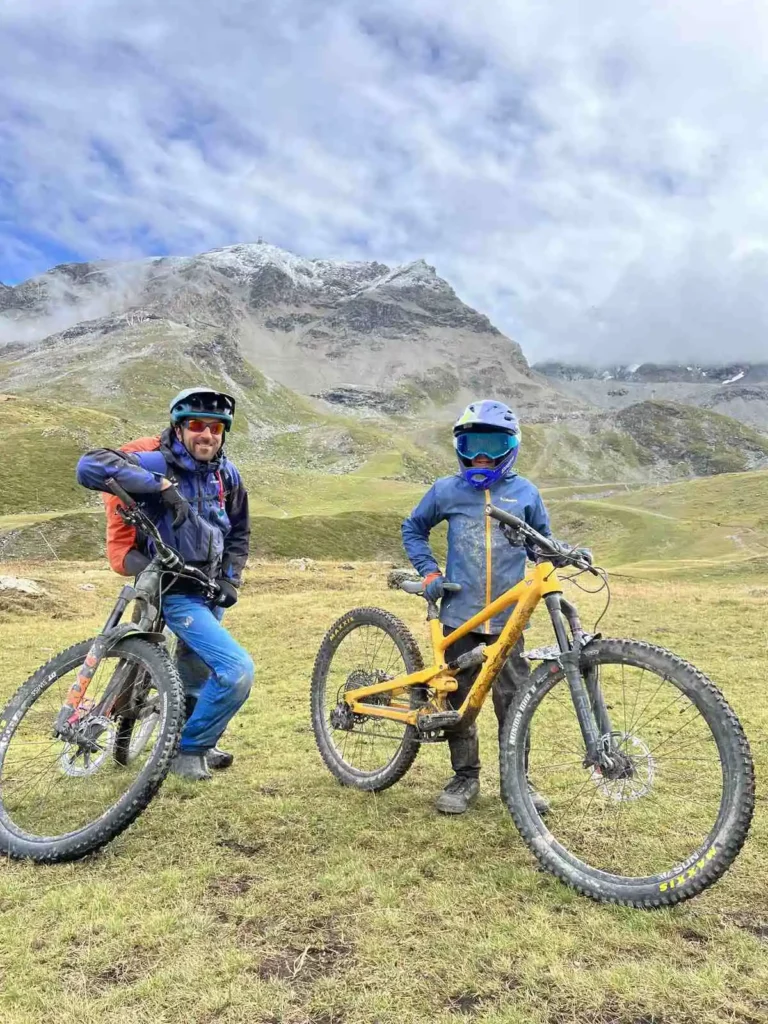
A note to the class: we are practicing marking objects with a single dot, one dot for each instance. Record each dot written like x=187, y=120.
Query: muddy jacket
x=480, y=557
x=215, y=539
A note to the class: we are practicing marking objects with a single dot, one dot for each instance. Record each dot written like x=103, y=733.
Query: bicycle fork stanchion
x=66, y=718
x=570, y=659
x=580, y=640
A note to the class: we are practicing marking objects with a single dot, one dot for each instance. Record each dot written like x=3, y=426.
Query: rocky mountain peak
x=317, y=326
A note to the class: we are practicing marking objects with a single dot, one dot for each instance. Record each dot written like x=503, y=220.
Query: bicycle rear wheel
x=364, y=647
x=61, y=800
x=674, y=812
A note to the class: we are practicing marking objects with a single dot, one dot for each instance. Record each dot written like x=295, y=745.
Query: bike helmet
x=486, y=428
x=202, y=401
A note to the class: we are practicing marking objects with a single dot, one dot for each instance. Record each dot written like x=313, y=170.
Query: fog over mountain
x=708, y=309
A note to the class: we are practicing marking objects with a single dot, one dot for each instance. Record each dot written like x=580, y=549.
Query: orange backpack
x=121, y=538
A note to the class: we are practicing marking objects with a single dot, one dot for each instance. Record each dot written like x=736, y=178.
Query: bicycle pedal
x=438, y=720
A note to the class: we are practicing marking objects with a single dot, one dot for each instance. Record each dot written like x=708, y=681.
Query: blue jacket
x=480, y=557
x=216, y=536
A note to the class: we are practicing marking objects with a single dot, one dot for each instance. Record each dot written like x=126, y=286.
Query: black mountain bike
x=87, y=740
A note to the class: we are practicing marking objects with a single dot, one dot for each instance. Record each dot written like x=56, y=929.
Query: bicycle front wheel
x=61, y=800
x=673, y=813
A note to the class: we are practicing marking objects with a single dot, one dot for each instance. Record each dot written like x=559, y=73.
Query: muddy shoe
x=191, y=767
x=218, y=759
x=458, y=796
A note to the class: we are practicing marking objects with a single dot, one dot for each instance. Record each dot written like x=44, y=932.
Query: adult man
x=197, y=499
x=487, y=441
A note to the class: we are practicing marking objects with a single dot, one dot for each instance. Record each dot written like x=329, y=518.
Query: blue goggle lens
x=494, y=444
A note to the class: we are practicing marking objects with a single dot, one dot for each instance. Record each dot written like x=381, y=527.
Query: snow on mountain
x=312, y=324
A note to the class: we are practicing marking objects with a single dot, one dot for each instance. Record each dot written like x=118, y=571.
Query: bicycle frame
x=540, y=583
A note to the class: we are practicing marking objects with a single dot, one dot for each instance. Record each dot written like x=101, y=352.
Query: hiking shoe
x=218, y=759
x=191, y=767
x=458, y=796
x=540, y=802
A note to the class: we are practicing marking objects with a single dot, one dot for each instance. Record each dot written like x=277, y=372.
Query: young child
x=481, y=559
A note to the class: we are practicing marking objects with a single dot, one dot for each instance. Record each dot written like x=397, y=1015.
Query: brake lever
x=514, y=535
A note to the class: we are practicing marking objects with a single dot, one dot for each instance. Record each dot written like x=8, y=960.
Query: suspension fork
x=570, y=657
x=596, y=699
x=67, y=716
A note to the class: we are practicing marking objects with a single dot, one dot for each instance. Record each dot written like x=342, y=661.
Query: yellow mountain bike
x=646, y=769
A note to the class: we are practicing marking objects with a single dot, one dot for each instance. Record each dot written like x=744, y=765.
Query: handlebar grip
x=118, y=491
x=417, y=587
x=504, y=517
x=412, y=586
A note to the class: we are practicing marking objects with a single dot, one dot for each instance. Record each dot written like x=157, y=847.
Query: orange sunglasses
x=216, y=427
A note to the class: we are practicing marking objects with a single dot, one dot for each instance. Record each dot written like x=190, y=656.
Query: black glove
x=227, y=595
x=177, y=503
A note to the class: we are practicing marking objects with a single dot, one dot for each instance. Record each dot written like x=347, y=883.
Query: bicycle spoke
x=663, y=808
x=52, y=788
x=366, y=656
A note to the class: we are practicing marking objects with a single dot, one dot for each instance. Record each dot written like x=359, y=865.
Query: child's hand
x=567, y=554
x=434, y=585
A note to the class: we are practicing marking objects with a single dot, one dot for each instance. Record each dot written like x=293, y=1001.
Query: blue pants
x=231, y=669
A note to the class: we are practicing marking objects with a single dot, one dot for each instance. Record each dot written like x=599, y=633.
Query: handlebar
x=417, y=587
x=409, y=581
x=542, y=542
x=170, y=559
x=118, y=491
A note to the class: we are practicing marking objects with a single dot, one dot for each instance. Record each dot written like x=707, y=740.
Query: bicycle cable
x=604, y=586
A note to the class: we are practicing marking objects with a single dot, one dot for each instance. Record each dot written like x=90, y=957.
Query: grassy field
x=274, y=895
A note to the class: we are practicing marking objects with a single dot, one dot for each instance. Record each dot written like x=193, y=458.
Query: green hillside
x=714, y=525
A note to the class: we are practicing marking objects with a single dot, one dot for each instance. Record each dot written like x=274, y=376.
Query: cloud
x=594, y=180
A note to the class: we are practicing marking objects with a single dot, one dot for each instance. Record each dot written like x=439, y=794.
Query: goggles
x=492, y=443
x=216, y=427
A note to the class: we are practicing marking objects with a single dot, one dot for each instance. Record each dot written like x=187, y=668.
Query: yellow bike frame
x=539, y=581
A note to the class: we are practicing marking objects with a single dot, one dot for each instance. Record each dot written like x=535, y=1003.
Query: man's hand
x=176, y=502
x=434, y=585
x=227, y=595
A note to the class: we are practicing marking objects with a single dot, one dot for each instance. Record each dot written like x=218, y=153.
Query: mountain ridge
x=737, y=389
x=312, y=325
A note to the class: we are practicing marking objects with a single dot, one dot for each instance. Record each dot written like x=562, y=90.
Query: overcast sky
x=592, y=176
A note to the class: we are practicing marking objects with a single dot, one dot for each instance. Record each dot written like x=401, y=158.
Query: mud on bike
x=87, y=740
x=646, y=769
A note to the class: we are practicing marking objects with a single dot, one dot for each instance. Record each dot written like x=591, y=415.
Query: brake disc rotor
x=78, y=762
x=640, y=783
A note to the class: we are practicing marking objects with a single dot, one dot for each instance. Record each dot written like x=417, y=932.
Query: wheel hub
x=342, y=716
x=628, y=770
x=92, y=745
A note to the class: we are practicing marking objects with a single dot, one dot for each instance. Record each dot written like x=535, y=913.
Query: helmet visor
x=492, y=443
